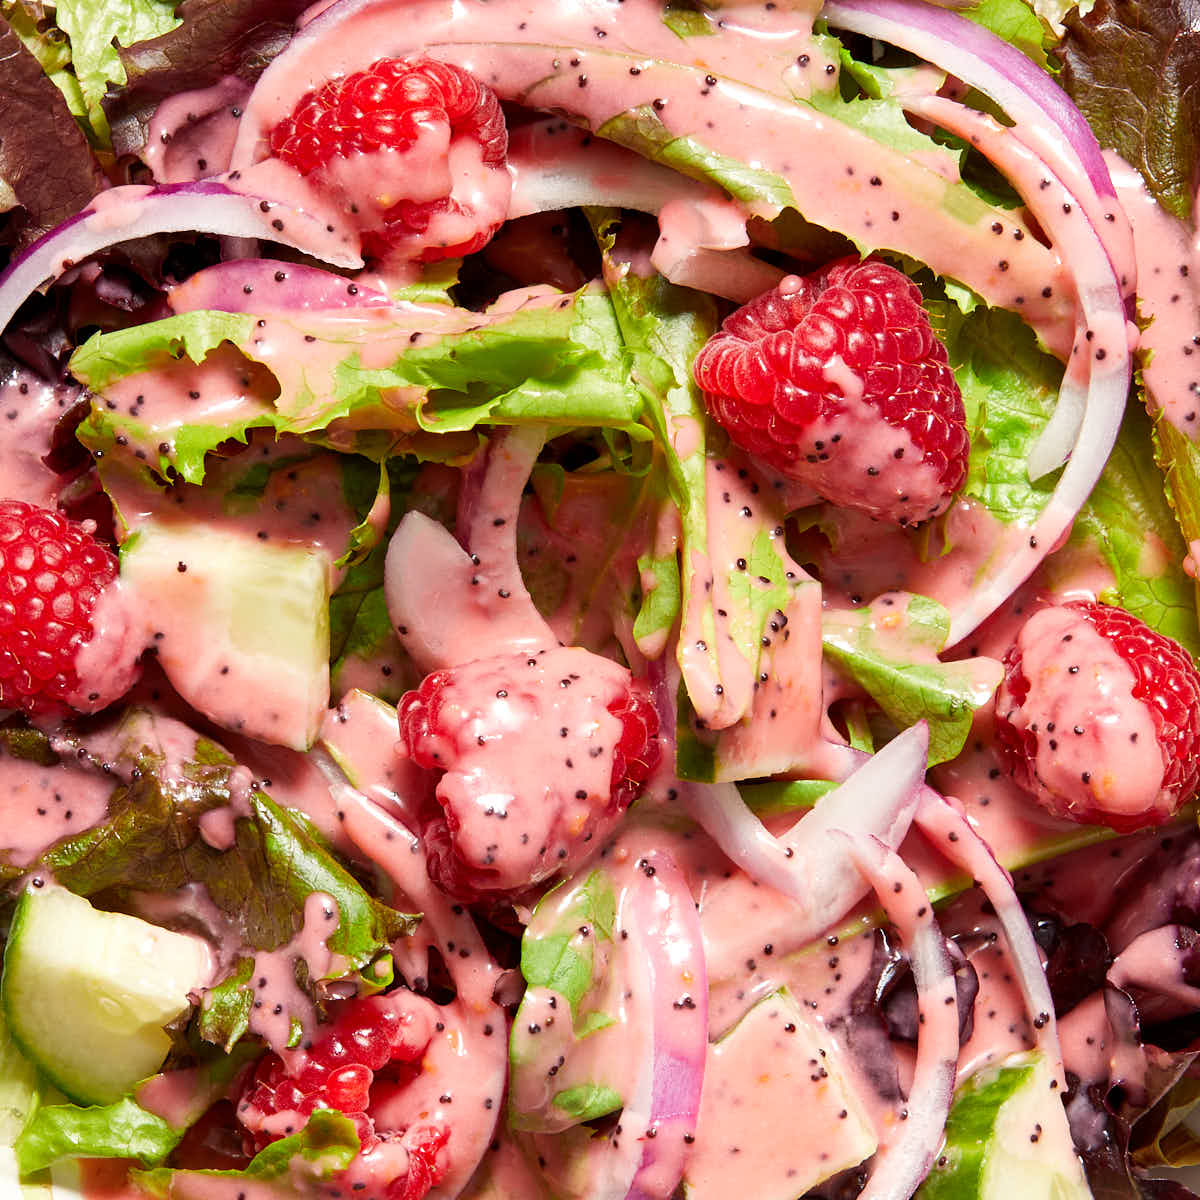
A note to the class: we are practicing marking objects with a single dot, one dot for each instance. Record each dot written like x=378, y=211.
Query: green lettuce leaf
x=96, y=29
x=553, y=953
x=641, y=130
x=1128, y=519
x=442, y=371
x=1009, y=389
x=890, y=650
x=1133, y=69
x=1017, y=23
x=686, y=19
x=151, y=841
x=125, y=1129
x=326, y=1145
x=587, y=1101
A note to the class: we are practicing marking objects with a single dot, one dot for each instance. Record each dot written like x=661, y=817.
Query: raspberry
x=373, y=1043
x=1098, y=717
x=539, y=753
x=52, y=572
x=401, y=105
x=837, y=380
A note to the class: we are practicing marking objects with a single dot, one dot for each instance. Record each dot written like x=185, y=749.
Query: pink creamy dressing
x=39, y=805
x=464, y=1072
x=544, y=68
x=1168, y=255
x=30, y=408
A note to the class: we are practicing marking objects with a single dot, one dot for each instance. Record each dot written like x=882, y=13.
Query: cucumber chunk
x=241, y=626
x=87, y=993
x=775, y=1060
x=1006, y=1136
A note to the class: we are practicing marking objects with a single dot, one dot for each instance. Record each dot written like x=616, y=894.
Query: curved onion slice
x=807, y=864
x=664, y=944
x=444, y=600
x=1054, y=128
x=264, y=285
x=902, y=1163
x=954, y=836
x=1012, y=156
x=1101, y=348
x=555, y=165
x=123, y=213
x=470, y=1048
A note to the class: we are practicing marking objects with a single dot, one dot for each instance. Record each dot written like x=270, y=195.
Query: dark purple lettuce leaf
x=216, y=38
x=1133, y=69
x=44, y=158
x=1077, y=959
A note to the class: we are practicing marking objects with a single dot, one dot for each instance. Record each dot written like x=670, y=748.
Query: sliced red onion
x=1101, y=349
x=450, y=604
x=902, y=1163
x=666, y=960
x=264, y=285
x=808, y=864
x=123, y=213
x=955, y=837
x=1045, y=116
x=555, y=165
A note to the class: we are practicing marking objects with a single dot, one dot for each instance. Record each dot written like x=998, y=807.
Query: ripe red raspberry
x=837, y=380
x=1098, y=716
x=52, y=572
x=539, y=753
x=408, y=116
x=371, y=1051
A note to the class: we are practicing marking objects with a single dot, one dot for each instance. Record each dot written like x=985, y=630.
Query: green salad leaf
x=126, y=1129
x=151, y=840
x=96, y=29
x=890, y=650
x=325, y=1146
x=382, y=387
x=1128, y=519
x=1009, y=388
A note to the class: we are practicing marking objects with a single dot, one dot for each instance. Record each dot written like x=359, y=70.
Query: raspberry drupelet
x=539, y=756
x=416, y=148
x=837, y=380
x=360, y=1063
x=1098, y=717
x=52, y=573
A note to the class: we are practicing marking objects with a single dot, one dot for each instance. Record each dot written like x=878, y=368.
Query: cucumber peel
x=87, y=993
x=1007, y=1135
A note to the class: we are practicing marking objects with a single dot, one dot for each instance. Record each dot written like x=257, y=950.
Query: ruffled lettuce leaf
x=125, y=1129
x=1133, y=69
x=1128, y=520
x=94, y=31
x=890, y=649
x=289, y=1167
x=1009, y=389
x=434, y=370
x=151, y=840
x=49, y=188
x=213, y=40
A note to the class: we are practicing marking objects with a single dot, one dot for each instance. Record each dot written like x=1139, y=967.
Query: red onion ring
x=901, y=1165
x=264, y=285
x=123, y=213
x=955, y=837
x=1057, y=131
x=808, y=864
x=439, y=595
x=665, y=935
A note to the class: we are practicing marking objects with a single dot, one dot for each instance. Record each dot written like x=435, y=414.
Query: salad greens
x=502, y=416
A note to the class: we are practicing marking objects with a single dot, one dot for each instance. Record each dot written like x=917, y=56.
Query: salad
x=598, y=599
